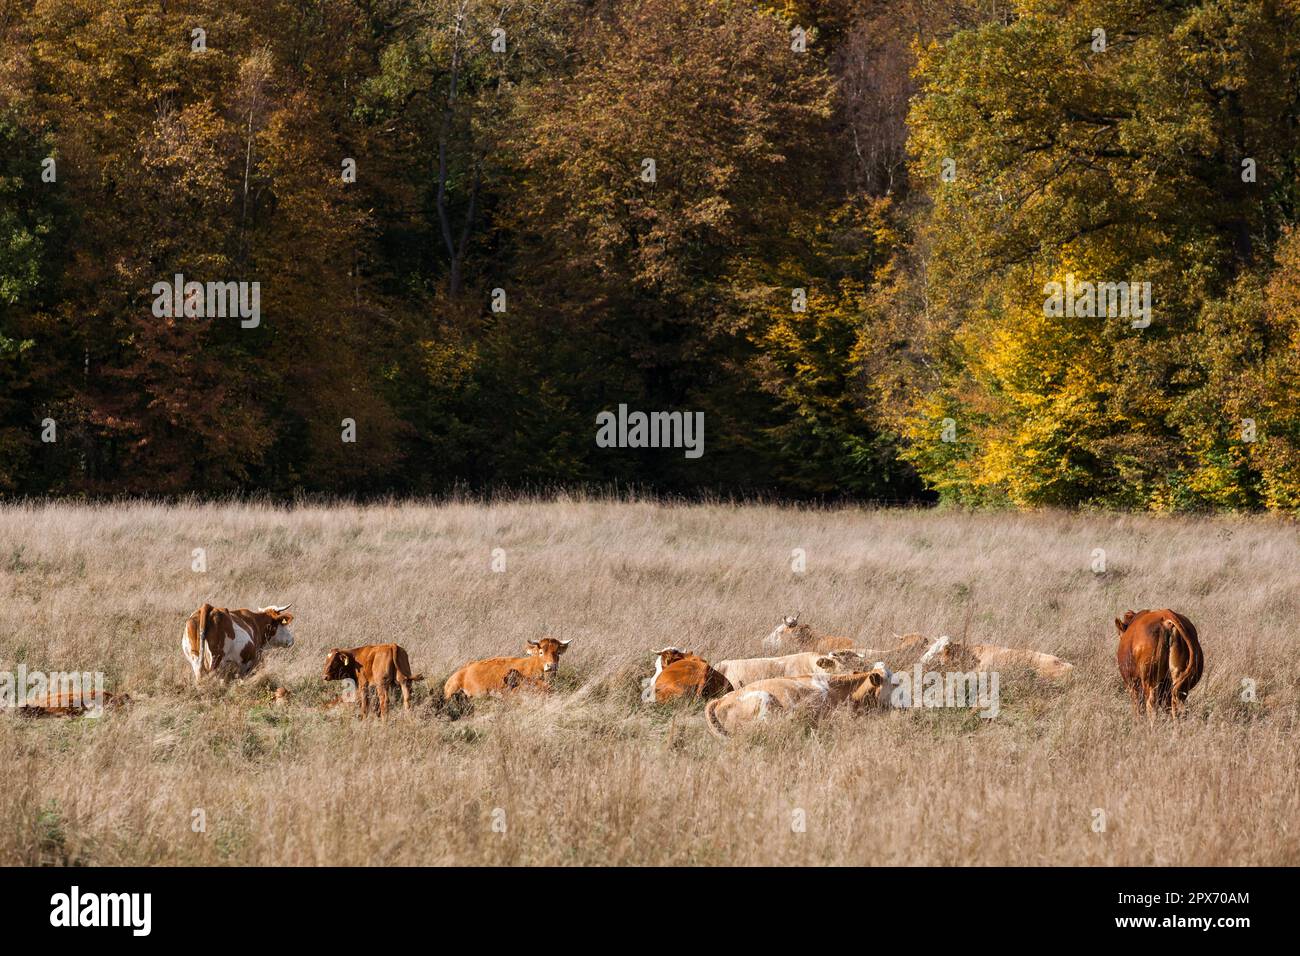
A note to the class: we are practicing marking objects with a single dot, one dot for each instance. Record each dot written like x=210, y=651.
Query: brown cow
x=681, y=673
x=218, y=640
x=72, y=704
x=374, y=665
x=539, y=666
x=1160, y=659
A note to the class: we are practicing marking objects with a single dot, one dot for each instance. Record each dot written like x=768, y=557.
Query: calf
x=812, y=695
x=1160, y=659
x=375, y=665
x=790, y=633
x=492, y=675
x=748, y=670
x=217, y=640
x=680, y=673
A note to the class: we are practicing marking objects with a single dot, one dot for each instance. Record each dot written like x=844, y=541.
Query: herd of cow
x=1159, y=656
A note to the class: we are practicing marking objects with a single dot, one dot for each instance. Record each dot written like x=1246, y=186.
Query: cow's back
x=690, y=675
x=480, y=677
x=745, y=671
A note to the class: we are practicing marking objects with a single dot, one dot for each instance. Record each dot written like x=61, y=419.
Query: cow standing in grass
x=217, y=640
x=375, y=665
x=1160, y=659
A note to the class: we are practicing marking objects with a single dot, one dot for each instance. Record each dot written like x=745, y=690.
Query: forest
x=837, y=232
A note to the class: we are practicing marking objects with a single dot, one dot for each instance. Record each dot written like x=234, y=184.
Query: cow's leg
x=363, y=699
x=1153, y=698
x=406, y=691
x=381, y=689
x=1134, y=693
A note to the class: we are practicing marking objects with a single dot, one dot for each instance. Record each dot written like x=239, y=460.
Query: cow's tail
x=404, y=665
x=711, y=718
x=1178, y=627
x=205, y=652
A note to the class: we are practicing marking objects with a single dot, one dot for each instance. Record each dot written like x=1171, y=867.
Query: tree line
x=826, y=226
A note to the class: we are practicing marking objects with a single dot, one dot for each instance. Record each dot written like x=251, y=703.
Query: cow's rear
x=1160, y=659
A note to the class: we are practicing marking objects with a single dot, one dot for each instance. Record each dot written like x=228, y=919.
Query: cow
x=537, y=668
x=63, y=703
x=813, y=695
x=994, y=657
x=217, y=640
x=748, y=670
x=1160, y=659
x=681, y=673
x=790, y=633
x=373, y=665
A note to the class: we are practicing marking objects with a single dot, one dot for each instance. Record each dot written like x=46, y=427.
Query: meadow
x=592, y=775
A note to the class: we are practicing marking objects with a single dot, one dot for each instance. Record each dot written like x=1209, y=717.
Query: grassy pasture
x=590, y=775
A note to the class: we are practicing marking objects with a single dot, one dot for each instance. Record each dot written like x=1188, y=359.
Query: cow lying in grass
x=681, y=673
x=813, y=696
x=750, y=669
x=70, y=704
x=374, y=665
x=493, y=675
x=948, y=655
x=794, y=636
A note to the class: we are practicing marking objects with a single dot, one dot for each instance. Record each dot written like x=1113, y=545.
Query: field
x=593, y=776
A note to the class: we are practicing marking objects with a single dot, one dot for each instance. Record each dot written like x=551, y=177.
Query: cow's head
x=788, y=623
x=277, y=628
x=667, y=656
x=877, y=688
x=842, y=662
x=549, y=650
x=339, y=665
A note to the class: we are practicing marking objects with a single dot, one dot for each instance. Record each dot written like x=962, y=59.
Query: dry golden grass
x=592, y=776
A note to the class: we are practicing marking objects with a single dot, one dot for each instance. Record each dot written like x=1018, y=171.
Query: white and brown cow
x=747, y=670
x=812, y=696
x=995, y=657
x=229, y=643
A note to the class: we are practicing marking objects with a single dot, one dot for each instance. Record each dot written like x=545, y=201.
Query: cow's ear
x=875, y=679
x=1119, y=625
x=564, y=646
x=285, y=619
x=825, y=662
x=534, y=644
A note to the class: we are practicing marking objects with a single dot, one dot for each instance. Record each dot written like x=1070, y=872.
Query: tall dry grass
x=592, y=775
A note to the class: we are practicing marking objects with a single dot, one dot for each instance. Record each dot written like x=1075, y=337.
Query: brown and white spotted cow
x=229, y=643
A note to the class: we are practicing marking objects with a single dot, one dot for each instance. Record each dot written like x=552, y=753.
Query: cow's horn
x=280, y=609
